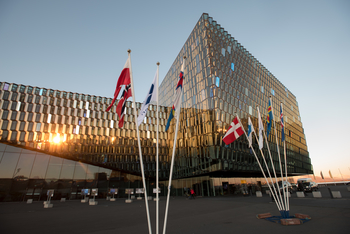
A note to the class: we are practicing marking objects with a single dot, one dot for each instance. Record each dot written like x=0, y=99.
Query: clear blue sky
x=81, y=46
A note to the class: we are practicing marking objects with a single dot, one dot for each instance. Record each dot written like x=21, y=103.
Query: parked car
x=285, y=184
x=310, y=186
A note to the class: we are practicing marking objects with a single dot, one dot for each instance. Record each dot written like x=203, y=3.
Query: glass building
x=52, y=139
x=222, y=78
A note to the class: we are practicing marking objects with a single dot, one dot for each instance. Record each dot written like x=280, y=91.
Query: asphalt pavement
x=224, y=214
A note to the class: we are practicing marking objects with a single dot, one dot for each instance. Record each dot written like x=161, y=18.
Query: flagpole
x=139, y=146
x=279, y=157
x=268, y=171
x=157, y=156
x=330, y=174
x=273, y=167
x=172, y=158
x=262, y=170
x=285, y=158
x=342, y=176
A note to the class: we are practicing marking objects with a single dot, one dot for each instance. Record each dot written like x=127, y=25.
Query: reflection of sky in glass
x=54, y=169
x=217, y=82
x=25, y=165
x=8, y=165
x=67, y=169
x=40, y=166
x=80, y=171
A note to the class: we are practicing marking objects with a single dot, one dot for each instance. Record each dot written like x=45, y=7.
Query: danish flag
x=233, y=132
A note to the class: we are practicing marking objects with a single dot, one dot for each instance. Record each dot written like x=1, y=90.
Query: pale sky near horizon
x=81, y=46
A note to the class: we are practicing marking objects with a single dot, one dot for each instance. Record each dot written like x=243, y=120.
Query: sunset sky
x=81, y=46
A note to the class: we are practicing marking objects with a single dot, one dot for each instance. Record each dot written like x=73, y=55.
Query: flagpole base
x=285, y=218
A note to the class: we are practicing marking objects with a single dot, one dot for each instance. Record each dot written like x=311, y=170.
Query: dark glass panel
x=92, y=172
x=67, y=171
x=54, y=168
x=8, y=164
x=24, y=166
x=80, y=171
x=40, y=166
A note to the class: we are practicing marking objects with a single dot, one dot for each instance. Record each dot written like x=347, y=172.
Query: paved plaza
x=225, y=214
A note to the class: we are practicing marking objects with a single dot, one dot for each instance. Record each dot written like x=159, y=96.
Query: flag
x=269, y=118
x=124, y=79
x=282, y=123
x=261, y=129
x=250, y=131
x=122, y=104
x=175, y=110
x=151, y=96
x=322, y=175
x=330, y=174
x=234, y=131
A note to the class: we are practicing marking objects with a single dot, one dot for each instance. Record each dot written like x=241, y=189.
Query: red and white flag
x=233, y=132
x=122, y=104
x=124, y=79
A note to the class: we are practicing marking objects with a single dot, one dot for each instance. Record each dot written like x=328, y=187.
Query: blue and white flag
x=151, y=96
x=261, y=129
x=250, y=131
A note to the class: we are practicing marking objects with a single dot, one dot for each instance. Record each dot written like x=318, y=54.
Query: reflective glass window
x=80, y=171
x=40, y=166
x=4, y=124
x=22, y=136
x=13, y=125
x=54, y=168
x=30, y=89
x=30, y=117
x=25, y=164
x=217, y=83
x=8, y=164
x=6, y=86
x=13, y=115
x=6, y=95
x=5, y=105
x=5, y=114
x=92, y=172
x=38, y=126
x=67, y=169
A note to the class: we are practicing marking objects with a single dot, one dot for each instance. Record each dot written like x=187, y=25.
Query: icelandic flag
x=282, y=123
x=175, y=110
x=124, y=79
x=261, y=129
x=250, y=131
x=233, y=132
x=269, y=119
x=151, y=96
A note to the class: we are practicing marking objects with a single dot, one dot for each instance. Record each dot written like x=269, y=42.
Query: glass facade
x=221, y=79
x=53, y=135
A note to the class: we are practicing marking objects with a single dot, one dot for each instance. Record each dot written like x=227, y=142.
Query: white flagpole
x=285, y=158
x=139, y=145
x=157, y=156
x=262, y=170
x=279, y=156
x=173, y=157
x=273, y=166
x=342, y=176
x=268, y=171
